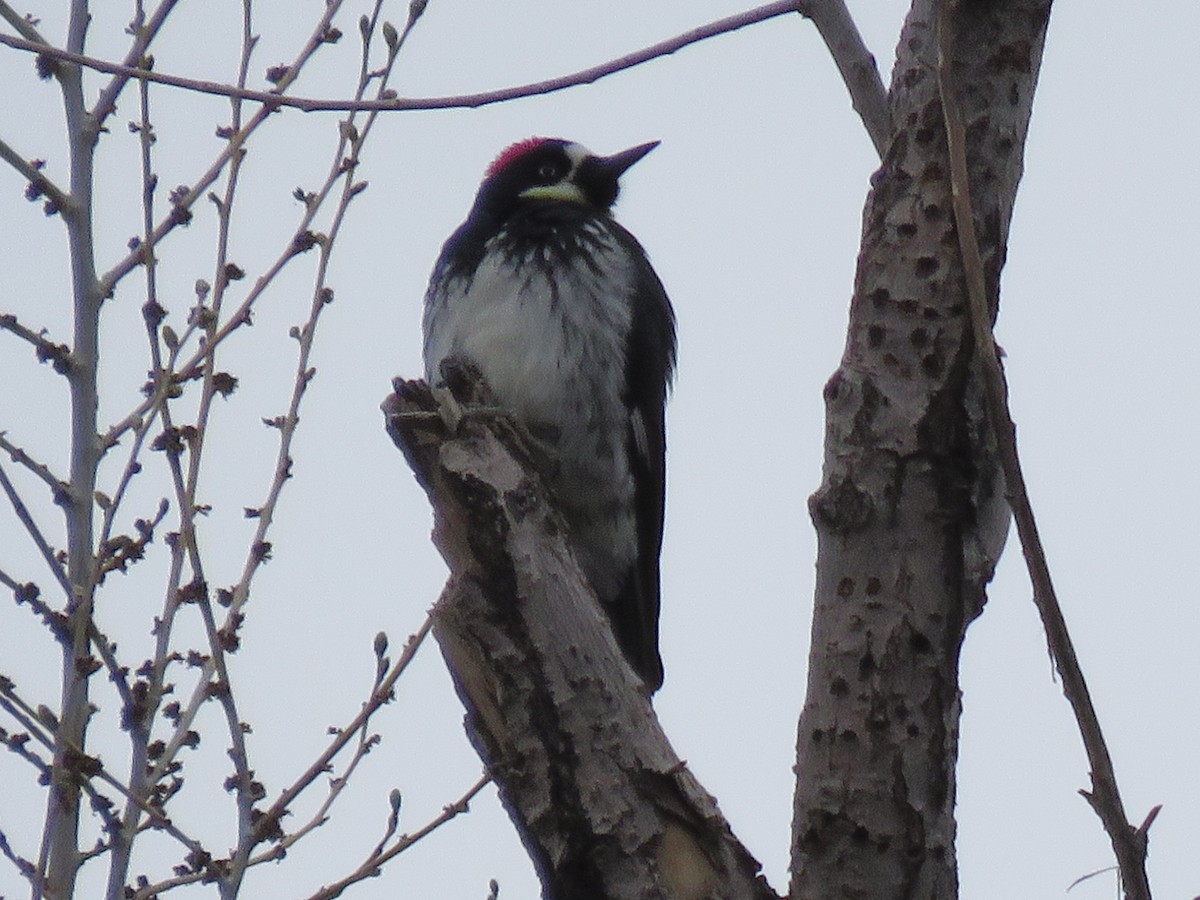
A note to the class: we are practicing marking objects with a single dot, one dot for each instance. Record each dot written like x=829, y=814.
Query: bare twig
x=10, y=582
x=32, y=722
x=21, y=23
x=38, y=726
x=37, y=179
x=383, y=692
x=371, y=866
x=1129, y=844
x=23, y=865
x=378, y=697
x=144, y=31
x=338, y=783
x=47, y=351
x=35, y=533
x=57, y=486
x=183, y=203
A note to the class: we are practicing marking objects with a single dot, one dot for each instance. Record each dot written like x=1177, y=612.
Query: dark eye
x=547, y=173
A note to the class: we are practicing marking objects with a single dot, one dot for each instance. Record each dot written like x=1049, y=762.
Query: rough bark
x=910, y=514
x=604, y=806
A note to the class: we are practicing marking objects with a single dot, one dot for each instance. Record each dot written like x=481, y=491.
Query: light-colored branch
x=58, y=862
x=35, y=533
x=21, y=23
x=57, y=486
x=1129, y=843
x=58, y=355
x=259, y=546
x=11, y=583
x=35, y=176
x=31, y=723
x=857, y=67
x=144, y=32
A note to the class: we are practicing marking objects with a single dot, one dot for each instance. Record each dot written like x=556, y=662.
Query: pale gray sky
x=750, y=210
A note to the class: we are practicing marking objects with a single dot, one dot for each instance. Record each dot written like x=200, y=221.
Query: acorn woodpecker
x=561, y=311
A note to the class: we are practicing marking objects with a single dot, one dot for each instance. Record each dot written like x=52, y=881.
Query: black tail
x=634, y=616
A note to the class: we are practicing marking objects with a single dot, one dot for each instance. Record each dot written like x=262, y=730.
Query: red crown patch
x=516, y=151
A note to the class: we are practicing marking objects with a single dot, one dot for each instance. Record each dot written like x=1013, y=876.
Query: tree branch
x=39, y=183
x=1130, y=844
x=182, y=204
x=21, y=23
x=58, y=487
x=370, y=867
x=857, y=67
x=603, y=804
x=144, y=33
x=35, y=533
x=830, y=16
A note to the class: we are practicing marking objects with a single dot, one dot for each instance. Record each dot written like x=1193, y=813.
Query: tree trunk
x=910, y=515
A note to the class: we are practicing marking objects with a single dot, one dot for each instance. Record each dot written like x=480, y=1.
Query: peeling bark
x=910, y=514
x=604, y=806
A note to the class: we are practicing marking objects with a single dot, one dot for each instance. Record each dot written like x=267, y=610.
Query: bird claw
x=448, y=408
x=539, y=453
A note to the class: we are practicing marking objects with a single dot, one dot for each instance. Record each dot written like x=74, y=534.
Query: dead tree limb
x=604, y=806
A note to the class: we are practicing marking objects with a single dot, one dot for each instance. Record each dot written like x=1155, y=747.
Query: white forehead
x=576, y=153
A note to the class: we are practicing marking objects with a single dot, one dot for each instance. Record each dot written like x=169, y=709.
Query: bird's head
x=554, y=170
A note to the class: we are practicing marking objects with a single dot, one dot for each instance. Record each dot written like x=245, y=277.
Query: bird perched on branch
x=559, y=308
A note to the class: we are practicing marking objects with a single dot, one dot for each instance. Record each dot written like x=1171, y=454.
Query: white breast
x=553, y=350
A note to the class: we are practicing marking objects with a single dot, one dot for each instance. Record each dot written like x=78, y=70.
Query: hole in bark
x=866, y=665
x=913, y=731
x=875, y=335
x=931, y=365
x=932, y=212
x=860, y=835
x=873, y=586
x=926, y=266
x=838, y=687
x=906, y=229
x=845, y=587
x=879, y=297
x=918, y=337
x=919, y=643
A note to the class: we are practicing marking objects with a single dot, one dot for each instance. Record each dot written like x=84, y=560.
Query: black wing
x=649, y=368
